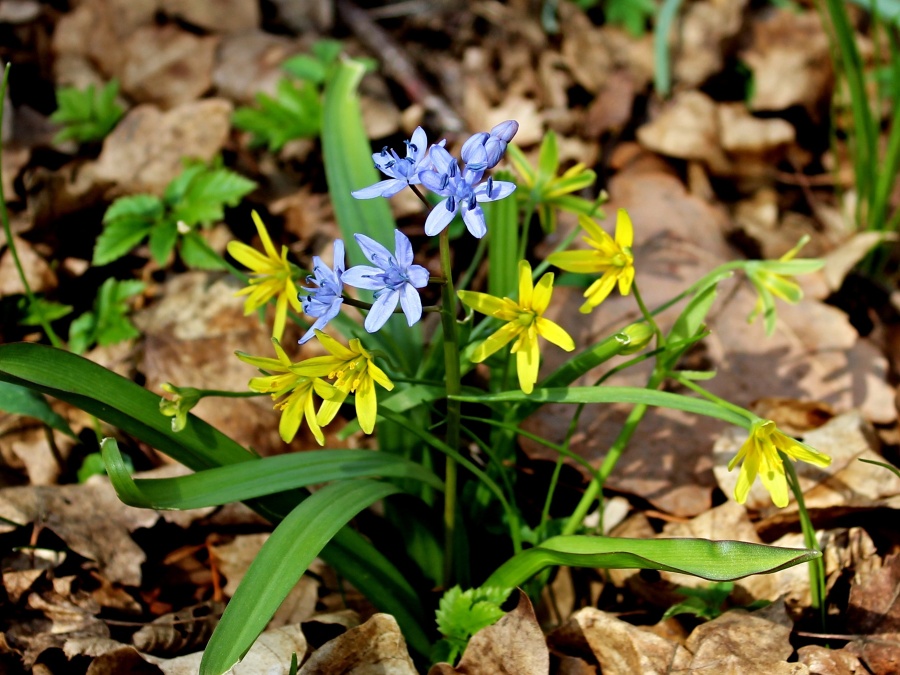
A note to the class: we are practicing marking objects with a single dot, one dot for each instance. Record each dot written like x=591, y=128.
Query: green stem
x=454, y=387
x=708, y=395
x=817, y=566
x=4, y=216
x=648, y=315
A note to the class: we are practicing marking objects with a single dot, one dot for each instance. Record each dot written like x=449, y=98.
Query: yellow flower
x=610, y=257
x=272, y=275
x=353, y=371
x=772, y=279
x=759, y=455
x=549, y=192
x=299, y=389
x=524, y=320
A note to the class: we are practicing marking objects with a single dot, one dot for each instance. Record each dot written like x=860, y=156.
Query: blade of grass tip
x=502, y=244
x=662, y=77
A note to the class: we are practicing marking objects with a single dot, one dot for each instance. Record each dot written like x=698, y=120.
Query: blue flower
x=462, y=190
x=484, y=150
x=394, y=279
x=324, y=301
x=403, y=171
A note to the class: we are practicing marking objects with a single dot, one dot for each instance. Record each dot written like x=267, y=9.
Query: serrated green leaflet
x=214, y=487
x=134, y=410
x=281, y=562
x=713, y=560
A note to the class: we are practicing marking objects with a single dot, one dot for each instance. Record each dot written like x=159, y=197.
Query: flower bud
x=635, y=337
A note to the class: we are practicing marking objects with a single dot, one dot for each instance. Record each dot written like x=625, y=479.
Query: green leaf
x=81, y=332
x=18, y=400
x=162, y=240
x=238, y=482
x=713, y=560
x=503, y=243
x=294, y=113
x=637, y=395
x=126, y=222
x=208, y=193
x=280, y=563
x=548, y=158
x=305, y=67
x=196, y=253
x=87, y=115
x=41, y=310
x=327, y=51
x=128, y=406
x=178, y=186
x=631, y=14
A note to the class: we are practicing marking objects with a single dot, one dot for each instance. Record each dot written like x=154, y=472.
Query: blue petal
x=439, y=218
x=420, y=140
x=499, y=190
x=505, y=130
x=338, y=259
x=418, y=276
x=402, y=250
x=385, y=188
x=381, y=310
x=476, y=159
x=441, y=159
x=434, y=182
x=319, y=324
x=375, y=252
x=475, y=140
x=411, y=304
x=363, y=276
x=474, y=220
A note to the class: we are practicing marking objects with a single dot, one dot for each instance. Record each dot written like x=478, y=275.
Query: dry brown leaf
x=515, y=645
x=145, y=150
x=37, y=272
x=375, y=647
x=686, y=127
x=704, y=34
x=740, y=642
x=121, y=660
x=249, y=63
x=825, y=661
x=40, y=461
x=874, y=612
x=742, y=133
x=186, y=630
x=222, y=16
x=844, y=257
x=166, y=65
x=619, y=647
x=13, y=159
x=790, y=60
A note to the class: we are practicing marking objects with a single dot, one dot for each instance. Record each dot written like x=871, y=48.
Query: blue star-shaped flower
x=324, y=301
x=393, y=278
x=462, y=190
x=403, y=171
x=493, y=144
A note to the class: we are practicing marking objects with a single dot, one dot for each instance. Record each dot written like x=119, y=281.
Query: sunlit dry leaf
x=38, y=273
x=686, y=127
x=145, y=150
x=703, y=37
x=34, y=451
x=249, y=62
x=223, y=16
x=828, y=661
x=742, y=133
x=18, y=582
x=619, y=647
x=377, y=646
x=844, y=257
x=790, y=59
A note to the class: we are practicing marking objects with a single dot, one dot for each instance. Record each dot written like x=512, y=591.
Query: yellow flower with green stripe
x=759, y=456
x=612, y=258
x=299, y=389
x=272, y=276
x=354, y=372
x=524, y=323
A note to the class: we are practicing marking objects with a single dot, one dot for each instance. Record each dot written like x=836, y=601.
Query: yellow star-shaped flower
x=272, y=275
x=612, y=258
x=524, y=321
x=299, y=390
x=759, y=456
x=353, y=371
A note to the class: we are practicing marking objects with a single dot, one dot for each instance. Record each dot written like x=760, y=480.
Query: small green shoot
x=197, y=196
x=107, y=323
x=704, y=603
x=461, y=614
x=296, y=109
x=86, y=115
x=632, y=15
x=93, y=466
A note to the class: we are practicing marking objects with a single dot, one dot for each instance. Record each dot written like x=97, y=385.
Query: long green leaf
x=713, y=560
x=638, y=395
x=134, y=410
x=239, y=482
x=19, y=400
x=281, y=562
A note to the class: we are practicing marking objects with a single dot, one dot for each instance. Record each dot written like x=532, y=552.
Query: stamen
x=445, y=180
x=384, y=151
x=452, y=170
x=451, y=203
x=490, y=185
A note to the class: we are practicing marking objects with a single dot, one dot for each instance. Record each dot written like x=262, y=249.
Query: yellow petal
x=799, y=451
x=774, y=480
x=624, y=229
x=554, y=333
x=584, y=262
x=330, y=408
x=598, y=291
x=317, y=366
x=496, y=341
x=248, y=256
x=528, y=361
x=309, y=412
x=280, y=316
x=264, y=236
x=366, y=405
x=291, y=412
x=542, y=293
x=262, y=362
x=336, y=348
x=626, y=278
x=749, y=469
x=481, y=302
x=379, y=376
x=526, y=286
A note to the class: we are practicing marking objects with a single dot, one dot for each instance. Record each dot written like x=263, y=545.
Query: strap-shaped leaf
x=128, y=406
x=239, y=482
x=713, y=560
x=19, y=400
x=281, y=562
x=662, y=399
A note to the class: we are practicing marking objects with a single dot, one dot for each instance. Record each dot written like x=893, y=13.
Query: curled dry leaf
x=377, y=646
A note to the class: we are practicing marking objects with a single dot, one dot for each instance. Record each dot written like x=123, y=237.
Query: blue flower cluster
x=393, y=277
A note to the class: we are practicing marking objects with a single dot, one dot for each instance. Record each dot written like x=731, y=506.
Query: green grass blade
x=713, y=560
x=214, y=487
x=128, y=406
x=280, y=563
x=503, y=244
x=662, y=76
x=637, y=395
